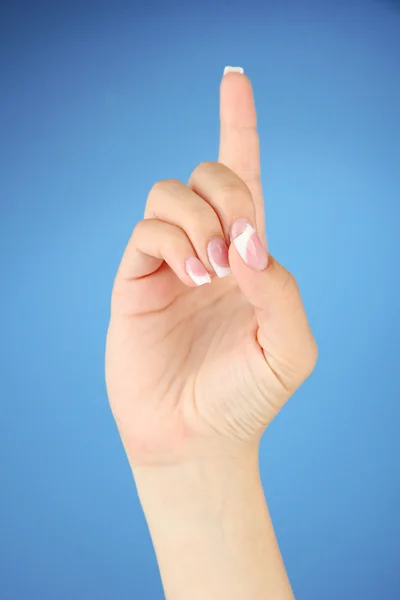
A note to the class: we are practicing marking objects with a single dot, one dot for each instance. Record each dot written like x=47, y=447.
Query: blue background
x=97, y=102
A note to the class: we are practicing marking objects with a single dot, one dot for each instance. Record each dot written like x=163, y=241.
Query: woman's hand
x=208, y=337
x=207, y=340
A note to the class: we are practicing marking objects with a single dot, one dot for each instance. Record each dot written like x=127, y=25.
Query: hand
x=192, y=368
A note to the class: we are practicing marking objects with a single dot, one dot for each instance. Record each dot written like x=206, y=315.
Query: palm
x=174, y=371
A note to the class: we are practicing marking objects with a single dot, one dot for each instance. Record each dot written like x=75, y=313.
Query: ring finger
x=173, y=202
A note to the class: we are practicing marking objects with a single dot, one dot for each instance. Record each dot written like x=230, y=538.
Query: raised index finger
x=239, y=147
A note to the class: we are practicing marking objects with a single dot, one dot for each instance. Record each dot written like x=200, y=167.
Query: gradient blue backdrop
x=97, y=102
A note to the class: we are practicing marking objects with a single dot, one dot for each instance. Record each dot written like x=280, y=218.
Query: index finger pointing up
x=239, y=147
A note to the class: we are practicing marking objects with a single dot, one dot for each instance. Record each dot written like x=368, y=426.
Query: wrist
x=211, y=529
x=198, y=487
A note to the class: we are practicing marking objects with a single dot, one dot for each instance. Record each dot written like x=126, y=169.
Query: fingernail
x=233, y=70
x=249, y=245
x=217, y=252
x=197, y=271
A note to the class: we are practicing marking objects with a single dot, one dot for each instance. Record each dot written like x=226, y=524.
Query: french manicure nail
x=233, y=70
x=217, y=252
x=197, y=271
x=249, y=245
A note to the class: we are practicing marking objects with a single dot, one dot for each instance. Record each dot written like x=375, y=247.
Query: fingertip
x=237, y=100
x=234, y=77
x=197, y=271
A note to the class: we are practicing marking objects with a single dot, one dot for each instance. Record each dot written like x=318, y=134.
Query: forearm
x=212, y=532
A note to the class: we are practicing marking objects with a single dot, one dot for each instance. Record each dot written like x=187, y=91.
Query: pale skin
x=195, y=373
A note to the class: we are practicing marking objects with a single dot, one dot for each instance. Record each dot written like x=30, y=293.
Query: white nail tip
x=199, y=279
x=221, y=271
x=242, y=241
x=233, y=70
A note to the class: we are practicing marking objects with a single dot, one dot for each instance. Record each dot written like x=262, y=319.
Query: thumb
x=283, y=332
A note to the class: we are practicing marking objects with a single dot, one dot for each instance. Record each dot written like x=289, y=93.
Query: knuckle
x=205, y=165
x=158, y=190
x=299, y=365
x=171, y=239
x=176, y=238
x=310, y=358
x=199, y=171
x=137, y=230
x=201, y=219
x=234, y=194
x=289, y=284
x=169, y=244
x=161, y=186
